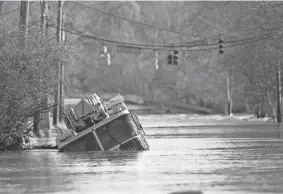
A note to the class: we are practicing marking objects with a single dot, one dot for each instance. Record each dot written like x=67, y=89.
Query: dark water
x=238, y=159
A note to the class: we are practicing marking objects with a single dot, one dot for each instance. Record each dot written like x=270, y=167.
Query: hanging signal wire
x=228, y=46
x=234, y=57
x=121, y=44
x=155, y=47
x=169, y=48
x=247, y=42
x=134, y=44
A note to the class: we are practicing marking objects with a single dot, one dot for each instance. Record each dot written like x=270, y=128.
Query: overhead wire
x=168, y=47
x=159, y=47
x=152, y=26
x=13, y=10
x=155, y=47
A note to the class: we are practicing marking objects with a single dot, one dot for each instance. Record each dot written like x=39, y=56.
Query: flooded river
x=214, y=159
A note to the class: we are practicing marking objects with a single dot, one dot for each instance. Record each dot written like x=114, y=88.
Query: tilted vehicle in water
x=107, y=127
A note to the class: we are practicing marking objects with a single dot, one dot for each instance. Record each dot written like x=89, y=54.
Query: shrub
x=28, y=75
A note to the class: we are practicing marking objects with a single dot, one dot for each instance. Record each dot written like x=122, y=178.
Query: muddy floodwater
x=241, y=158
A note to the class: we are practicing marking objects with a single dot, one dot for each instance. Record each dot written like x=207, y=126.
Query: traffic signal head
x=221, y=51
x=108, y=59
x=103, y=50
x=170, y=59
x=175, y=58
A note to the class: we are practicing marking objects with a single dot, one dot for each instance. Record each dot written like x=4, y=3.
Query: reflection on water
x=220, y=160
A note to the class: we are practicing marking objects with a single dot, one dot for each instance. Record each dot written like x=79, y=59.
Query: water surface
x=214, y=159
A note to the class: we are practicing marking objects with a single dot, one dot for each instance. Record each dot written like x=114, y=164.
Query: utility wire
x=247, y=42
x=121, y=44
x=229, y=46
x=156, y=47
x=13, y=10
x=166, y=46
x=164, y=29
x=117, y=43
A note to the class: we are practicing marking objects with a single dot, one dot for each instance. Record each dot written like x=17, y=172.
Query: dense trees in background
x=262, y=64
x=193, y=81
x=200, y=77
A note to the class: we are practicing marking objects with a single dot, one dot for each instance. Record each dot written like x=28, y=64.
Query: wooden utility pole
x=57, y=89
x=229, y=93
x=156, y=52
x=228, y=79
x=44, y=96
x=24, y=17
x=44, y=27
x=62, y=71
x=278, y=89
x=62, y=25
x=44, y=15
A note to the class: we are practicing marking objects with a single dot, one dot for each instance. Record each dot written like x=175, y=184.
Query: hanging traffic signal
x=175, y=58
x=156, y=60
x=221, y=50
x=105, y=55
x=108, y=59
x=170, y=59
x=103, y=50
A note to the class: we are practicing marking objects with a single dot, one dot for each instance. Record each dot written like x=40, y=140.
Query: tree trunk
x=36, y=120
x=271, y=106
x=248, y=107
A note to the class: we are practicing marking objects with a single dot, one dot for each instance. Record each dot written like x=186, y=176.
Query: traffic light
x=175, y=58
x=105, y=55
x=221, y=51
x=170, y=59
x=108, y=59
x=103, y=50
x=156, y=60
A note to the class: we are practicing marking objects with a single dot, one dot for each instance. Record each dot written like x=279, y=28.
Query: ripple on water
x=236, y=162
